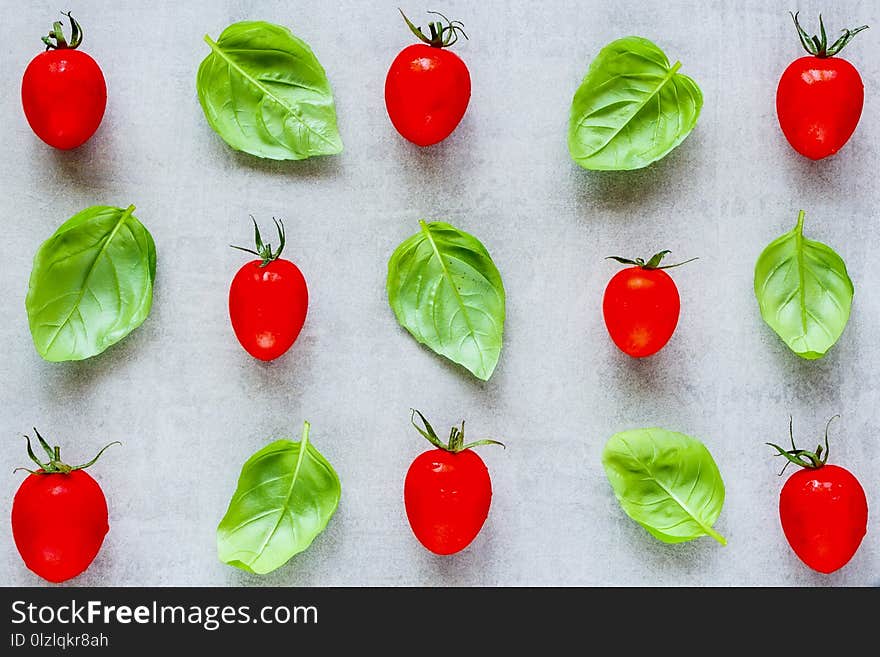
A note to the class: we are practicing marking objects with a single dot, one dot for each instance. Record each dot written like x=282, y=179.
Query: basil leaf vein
x=287, y=493
x=91, y=283
x=265, y=93
x=666, y=481
x=447, y=292
x=632, y=108
x=804, y=292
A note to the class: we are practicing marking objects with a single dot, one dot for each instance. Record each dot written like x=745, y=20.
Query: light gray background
x=190, y=405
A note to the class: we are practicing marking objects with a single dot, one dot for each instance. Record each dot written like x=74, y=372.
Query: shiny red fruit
x=447, y=499
x=59, y=517
x=63, y=92
x=823, y=509
x=824, y=516
x=268, y=300
x=267, y=307
x=819, y=104
x=819, y=97
x=447, y=491
x=428, y=88
x=58, y=523
x=641, y=306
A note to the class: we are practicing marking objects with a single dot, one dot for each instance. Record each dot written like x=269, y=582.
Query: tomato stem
x=55, y=465
x=803, y=457
x=264, y=251
x=57, y=35
x=442, y=36
x=456, y=436
x=653, y=263
x=818, y=45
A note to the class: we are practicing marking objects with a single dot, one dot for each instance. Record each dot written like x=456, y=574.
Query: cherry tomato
x=63, y=92
x=59, y=517
x=822, y=508
x=641, y=306
x=428, y=88
x=447, y=491
x=268, y=300
x=819, y=98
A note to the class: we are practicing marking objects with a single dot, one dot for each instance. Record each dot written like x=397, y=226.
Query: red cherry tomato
x=268, y=300
x=59, y=517
x=428, y=88
x=822, y=509
x=63, y=92
x=819, y=98
x=447, y=492
x=641, y=306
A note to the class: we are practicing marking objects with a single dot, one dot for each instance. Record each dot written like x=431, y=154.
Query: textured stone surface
x=190, y=405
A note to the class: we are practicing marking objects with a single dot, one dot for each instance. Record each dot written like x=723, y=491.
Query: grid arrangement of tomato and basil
x=265, y=93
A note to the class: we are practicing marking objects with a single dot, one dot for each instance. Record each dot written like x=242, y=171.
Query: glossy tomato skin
x=819, y=103
x=641, y=308
x=64, y=95
x=59, y=522
x=447, y=497
x=824, y=516
x=267, y=307
x=427, y=91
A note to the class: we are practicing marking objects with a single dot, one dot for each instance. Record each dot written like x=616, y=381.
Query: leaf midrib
x=464, y=310
x=802, y=288
x=215, y=47
x=669, y=75
x=709, y=531
x=303, y=447
x=122, y=219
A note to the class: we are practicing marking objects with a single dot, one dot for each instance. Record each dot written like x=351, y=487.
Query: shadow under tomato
x=87, y=165
x=440, y=171
x=804, y=176
x=463, y=568
x=640, y=376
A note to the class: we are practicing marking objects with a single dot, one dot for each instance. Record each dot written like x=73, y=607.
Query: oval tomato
x=819, y=98
x=823, y=509
x=268, y=300
x=428, y=88
x=63, y=91
x=641, y=306
x=447, y=491
x=59, y=517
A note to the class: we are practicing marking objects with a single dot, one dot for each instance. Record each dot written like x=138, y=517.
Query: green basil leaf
x=91, y=283
x=804, y=292
x=287, y=492
x=446, y=291
x=667, y=482
x=632, y=108
x=265, y=93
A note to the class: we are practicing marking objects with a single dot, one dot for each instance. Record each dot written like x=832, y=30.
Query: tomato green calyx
x=803, y=457
x=653, y=263
x=442, y=35
x=55, y=40
x=456, y=436
x=818, y=45
x=55, y=465
x=264, y=251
